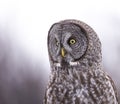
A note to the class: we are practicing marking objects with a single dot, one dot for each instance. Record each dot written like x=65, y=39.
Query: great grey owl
x=76, y=66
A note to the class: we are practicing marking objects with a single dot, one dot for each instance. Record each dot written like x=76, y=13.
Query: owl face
x=66, y=42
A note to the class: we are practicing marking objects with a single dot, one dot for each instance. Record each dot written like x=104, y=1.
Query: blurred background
x=24, y=24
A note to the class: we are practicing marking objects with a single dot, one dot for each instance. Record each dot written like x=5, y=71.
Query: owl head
x=72, y=41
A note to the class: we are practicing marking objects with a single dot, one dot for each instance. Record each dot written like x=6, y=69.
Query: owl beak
x=62, y=52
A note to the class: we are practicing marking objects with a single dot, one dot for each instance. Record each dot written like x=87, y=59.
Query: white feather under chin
x=70, y=63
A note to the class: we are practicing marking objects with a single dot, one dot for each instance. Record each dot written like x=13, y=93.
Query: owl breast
x=78, y=87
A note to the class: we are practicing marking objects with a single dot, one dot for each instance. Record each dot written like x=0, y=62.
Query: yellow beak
x=62, y=52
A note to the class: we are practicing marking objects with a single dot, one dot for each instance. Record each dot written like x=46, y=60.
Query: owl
x=77, y=76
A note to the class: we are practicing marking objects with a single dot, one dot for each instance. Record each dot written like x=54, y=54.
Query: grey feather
x=77, y=77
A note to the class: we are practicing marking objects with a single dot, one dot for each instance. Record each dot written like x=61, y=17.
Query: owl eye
x=57, y=43
x=72, y=41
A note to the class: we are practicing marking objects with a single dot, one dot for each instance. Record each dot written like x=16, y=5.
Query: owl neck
x=83, y=66
x=72, y=73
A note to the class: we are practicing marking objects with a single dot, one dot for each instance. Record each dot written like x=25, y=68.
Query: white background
x=25, y=24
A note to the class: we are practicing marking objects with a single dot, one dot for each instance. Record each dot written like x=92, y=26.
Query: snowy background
x=24, y=24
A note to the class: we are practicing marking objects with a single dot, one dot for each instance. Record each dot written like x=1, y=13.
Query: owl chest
x=73, y=89
x=68, y=90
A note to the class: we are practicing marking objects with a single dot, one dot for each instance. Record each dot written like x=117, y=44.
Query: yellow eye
x=72, y=41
